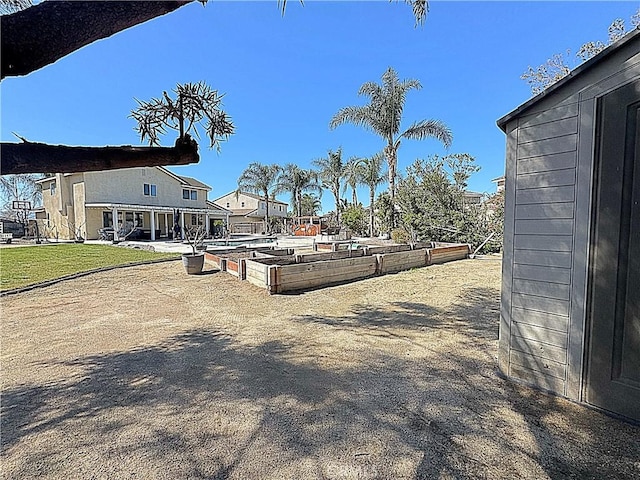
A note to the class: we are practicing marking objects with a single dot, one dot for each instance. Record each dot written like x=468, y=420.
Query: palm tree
x=372, y=176
x=331, y=173
x=383, y=115
x=298, y=181
x=352, y=176
x=261, y=180
x=309, y=204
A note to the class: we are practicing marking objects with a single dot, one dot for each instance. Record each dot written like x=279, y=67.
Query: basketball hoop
x=21, y=205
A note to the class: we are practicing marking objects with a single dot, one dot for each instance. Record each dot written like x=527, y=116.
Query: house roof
x=588, y=65
x=252, y=195
x=192, y=182
x=187, y=181
x=244, y=211
x=219, y=207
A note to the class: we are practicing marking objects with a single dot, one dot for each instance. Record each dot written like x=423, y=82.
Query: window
x=279, y=208
x=185, y=194
x=52, y=188
x=107, y=219
x=227, y=204
x=150, y=190
x=194, y=195
x=189, y=194
x=261, y=204
x=139, y=216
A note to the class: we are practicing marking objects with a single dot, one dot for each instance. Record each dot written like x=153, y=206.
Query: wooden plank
x=388, y=249
x=538, y=379
x=545, y=195
x=327, y=265
x=543, y=274
x=326, y=275
x=314, y=272
x=554, y=306
x=545, y=163
x=544, y=210
x=556, y=178
x=541, y=289
x=308, y=282
x=537, y=333
x=396, y=262
x=549, y=259
x=552, y=243
x=538, y=364
x=549, y=115
x=565, y=143
x=301, y=281
x=547, y=130
x=316, y=257
x=539, y=349
x=554, y=226
x=448, y=254
x=549, y=321
x=256, y=273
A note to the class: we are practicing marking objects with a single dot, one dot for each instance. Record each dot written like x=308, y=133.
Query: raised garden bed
x=300, y=272
x=232, y=260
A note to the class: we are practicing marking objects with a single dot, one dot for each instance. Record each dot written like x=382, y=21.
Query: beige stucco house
x=151, y=199
x=248, y=211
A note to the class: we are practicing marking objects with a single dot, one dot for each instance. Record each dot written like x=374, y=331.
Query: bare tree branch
x=44, y=33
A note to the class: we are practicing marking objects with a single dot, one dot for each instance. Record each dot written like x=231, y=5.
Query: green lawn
x=23, y=266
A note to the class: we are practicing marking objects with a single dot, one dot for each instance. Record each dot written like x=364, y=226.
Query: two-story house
x=248, y=211
x=151, y=199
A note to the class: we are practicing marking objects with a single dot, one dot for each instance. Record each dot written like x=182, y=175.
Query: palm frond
x=429, y=129
x=356, y=115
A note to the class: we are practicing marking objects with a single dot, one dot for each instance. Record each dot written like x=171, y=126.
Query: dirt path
x=146, y=372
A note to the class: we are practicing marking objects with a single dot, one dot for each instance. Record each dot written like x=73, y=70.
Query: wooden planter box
x=443, y=253
x=311, y=274
x=232, y=260
x=288, y=273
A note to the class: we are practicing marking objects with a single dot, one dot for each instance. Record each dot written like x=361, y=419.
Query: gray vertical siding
x=549, y=175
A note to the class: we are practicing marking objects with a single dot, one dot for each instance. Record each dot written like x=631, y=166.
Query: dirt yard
x=145, y=372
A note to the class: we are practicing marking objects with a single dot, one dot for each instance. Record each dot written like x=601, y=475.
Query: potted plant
x=194, y=261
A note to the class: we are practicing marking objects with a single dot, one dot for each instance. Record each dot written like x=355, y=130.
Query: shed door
x=613, y=381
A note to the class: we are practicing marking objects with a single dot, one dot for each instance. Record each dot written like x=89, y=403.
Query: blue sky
x=285, y=77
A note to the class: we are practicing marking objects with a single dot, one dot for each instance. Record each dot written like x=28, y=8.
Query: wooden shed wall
x=549, y=174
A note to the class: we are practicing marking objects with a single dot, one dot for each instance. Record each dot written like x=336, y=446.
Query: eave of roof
x=633, y=35
x=252, y=195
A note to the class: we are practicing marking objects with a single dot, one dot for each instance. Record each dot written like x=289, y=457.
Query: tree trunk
x=267, y=226
x=42, y=34
x=371, y=217
x=39, y=157
x=392, y=159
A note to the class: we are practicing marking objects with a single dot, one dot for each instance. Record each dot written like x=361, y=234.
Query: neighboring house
x=151, y=199
x=499, y=181
x=472, y=198
x=248, y=211
x=570, y=309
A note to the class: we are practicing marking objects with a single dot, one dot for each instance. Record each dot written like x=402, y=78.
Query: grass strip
x=23, y=266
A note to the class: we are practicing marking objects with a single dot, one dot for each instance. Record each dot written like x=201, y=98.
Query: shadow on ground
x=201, y=405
